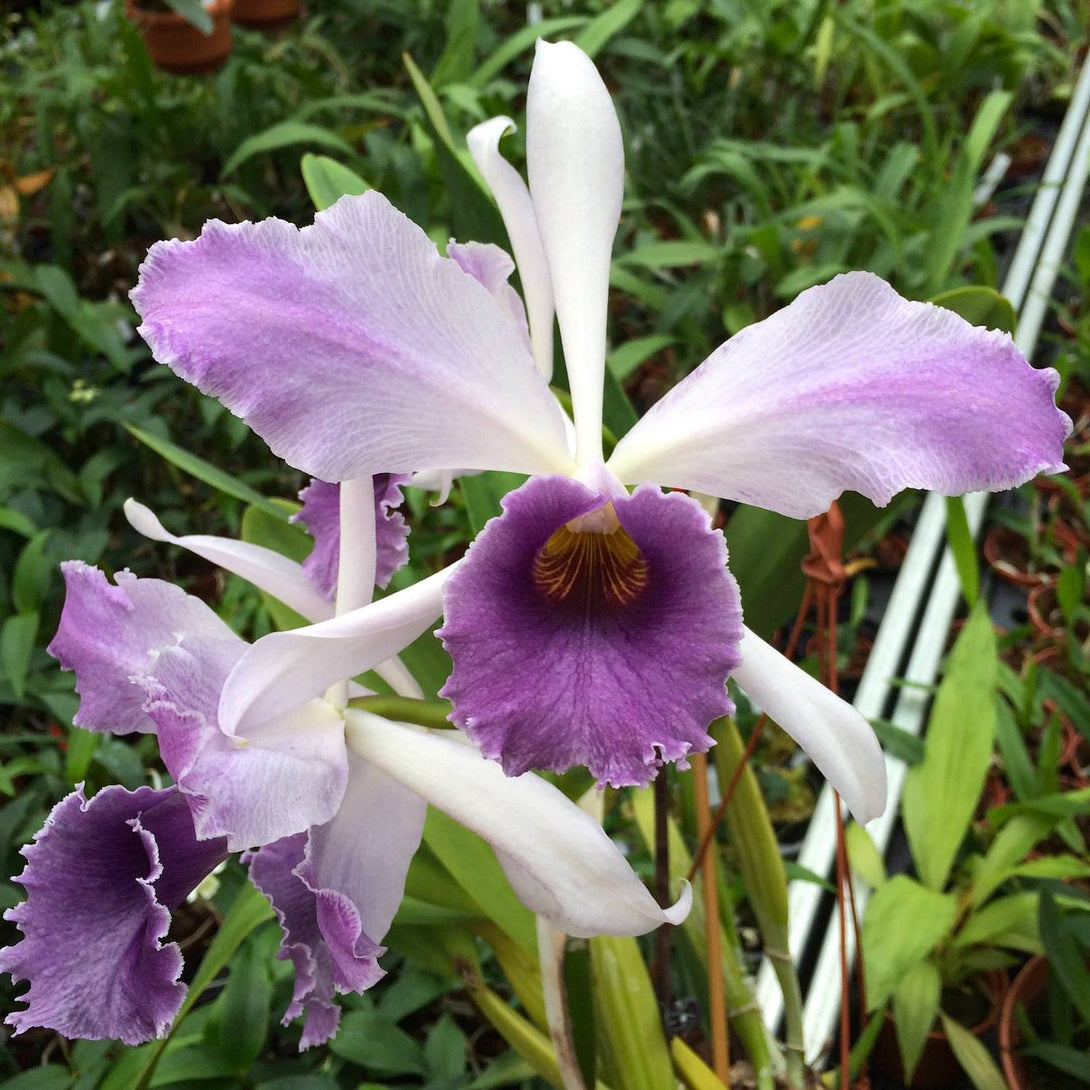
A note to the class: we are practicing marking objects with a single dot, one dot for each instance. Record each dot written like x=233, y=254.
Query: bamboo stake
x=717, y=1001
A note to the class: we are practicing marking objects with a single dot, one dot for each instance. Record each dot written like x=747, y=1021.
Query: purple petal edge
x=321, y=515
x=322, y=936
x=101, y=878
x=109, y=634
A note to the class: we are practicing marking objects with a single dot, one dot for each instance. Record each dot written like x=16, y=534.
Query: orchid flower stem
x=754, y=736
x=717, y=1004
x=845, y=972
x=662, y=889
x=742, y=1009
x=708, y=833
x=403, y=709
x=551, y=945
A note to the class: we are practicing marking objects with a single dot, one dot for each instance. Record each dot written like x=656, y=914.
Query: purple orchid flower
x=586, y=625
x=332, y=798
x=102, y=878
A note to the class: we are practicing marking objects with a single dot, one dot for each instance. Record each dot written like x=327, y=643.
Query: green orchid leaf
x=903, y=923
x=941, y=792
x=915, y=1004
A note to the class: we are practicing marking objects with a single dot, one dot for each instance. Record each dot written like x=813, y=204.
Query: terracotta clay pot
x=1028, y=153
x=1044, y=611
x=1007, y=553
x=266, y=14
x=1045, y=615
x=177, y=46
x=938, y=1066
x=1028, y=987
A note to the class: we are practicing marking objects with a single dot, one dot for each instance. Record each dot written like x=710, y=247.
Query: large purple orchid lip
x=626, y=614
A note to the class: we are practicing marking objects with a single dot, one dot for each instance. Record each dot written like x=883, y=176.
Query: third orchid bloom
x=587, y=625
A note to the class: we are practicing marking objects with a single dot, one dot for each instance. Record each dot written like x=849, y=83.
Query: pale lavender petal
x=559, y=860
x=575, y=162
x=619, y=686
x=265, y=568
x=321, y=515
x=837, y=737
x=283, y=776
x=851, y=387
x=336, y=891
x=108, y=634
x=517, y=210
x=285, y=669
x=350, y=346
x=101, y=878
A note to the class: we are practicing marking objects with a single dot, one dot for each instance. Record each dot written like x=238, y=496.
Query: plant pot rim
x=138, y=14
x=995, y=983
x=1029, y=984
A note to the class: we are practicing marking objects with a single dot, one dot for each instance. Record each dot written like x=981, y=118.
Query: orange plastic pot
x=177, y=46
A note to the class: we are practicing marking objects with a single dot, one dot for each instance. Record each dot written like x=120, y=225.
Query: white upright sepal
x=838, y=739
x=558, y=859
x=356, y=558
x=517, y=210
x=575, y=160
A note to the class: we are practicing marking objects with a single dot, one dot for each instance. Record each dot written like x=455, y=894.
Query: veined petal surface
x=851, y=387
x=336, y=957
x=837, y=737
x=575, y=162
x=552, y=668
x=101, y=878
x=558, y=858
x=350, y=346
x=109, y=634
x=285, y=669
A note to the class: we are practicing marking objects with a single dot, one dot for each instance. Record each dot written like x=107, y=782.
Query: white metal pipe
x=1032, y=272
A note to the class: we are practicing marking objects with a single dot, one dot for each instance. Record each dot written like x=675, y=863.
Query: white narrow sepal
x=266, y=569
x=836, y=736
x=398, y=676
x=575, y=161
x=285, y=669
x=516, y=208
x=560, y=862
